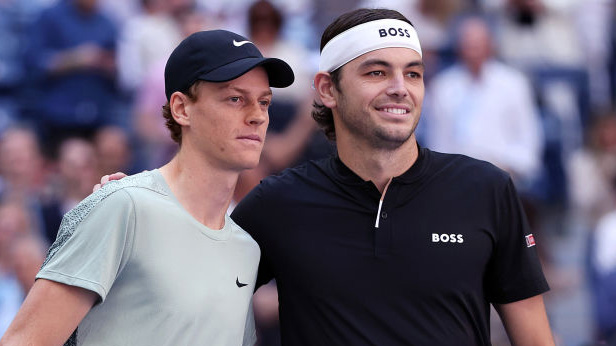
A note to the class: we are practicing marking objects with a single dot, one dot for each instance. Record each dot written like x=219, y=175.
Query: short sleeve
x=93, y=244
x=515, y=271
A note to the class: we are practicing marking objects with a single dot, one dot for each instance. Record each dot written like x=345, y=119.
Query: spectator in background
x=592, y=173
x=592, y=202
x=27, y=254
x=542, y=39
x=77, y=172
x=483, y=108
x=72, y=60
x=592, y=198
x=602, y=260
x=22, y=173
x=20, y=257
x=113, y=150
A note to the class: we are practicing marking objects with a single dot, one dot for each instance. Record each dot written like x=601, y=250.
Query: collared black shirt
x=452, y=238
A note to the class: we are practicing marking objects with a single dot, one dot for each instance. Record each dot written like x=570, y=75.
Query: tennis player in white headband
x=413, y=245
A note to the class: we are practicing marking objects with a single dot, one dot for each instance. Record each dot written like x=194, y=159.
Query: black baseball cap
x=219, y=56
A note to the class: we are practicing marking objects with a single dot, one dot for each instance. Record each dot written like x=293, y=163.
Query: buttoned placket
x=381, y=243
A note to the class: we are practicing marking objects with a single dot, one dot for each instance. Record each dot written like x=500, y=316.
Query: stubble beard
x=378, y=137
x=384, y=140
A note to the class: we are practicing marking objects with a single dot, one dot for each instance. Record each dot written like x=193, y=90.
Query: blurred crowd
x=529, y=85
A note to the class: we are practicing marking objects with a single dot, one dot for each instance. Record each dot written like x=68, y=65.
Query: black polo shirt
x=452, y=238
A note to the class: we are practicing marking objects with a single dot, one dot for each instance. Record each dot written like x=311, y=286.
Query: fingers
x=107, y=178
x=116, y=176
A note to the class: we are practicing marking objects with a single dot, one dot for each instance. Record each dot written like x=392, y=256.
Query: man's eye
x=265, y=103
x=234, y=99
x=375, y=73
x=414, y=74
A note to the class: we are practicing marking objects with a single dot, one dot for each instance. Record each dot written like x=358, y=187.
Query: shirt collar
x=345, y=175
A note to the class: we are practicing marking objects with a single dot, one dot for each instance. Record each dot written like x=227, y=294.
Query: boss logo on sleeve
x=394, y=32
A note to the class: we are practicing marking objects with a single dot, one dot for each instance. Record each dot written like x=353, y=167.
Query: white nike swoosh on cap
x=241, y=43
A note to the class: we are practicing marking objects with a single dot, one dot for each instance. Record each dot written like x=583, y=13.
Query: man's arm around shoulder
x=526, y=322
x=49, y=314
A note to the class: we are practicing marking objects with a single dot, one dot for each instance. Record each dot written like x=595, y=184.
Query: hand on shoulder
x=107, y=178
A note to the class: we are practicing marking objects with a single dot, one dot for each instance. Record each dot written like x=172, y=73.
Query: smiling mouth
x=394, y=110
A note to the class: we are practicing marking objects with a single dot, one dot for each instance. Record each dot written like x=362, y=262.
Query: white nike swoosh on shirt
x=241, y=43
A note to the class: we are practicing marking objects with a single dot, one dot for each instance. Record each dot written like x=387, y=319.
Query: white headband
x=364, y=38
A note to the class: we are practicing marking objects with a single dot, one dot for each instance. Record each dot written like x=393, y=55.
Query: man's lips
x=394, y=109
x=251, y=137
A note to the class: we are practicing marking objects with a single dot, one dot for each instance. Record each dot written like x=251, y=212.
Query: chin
x=247, y=163
x=395, y=136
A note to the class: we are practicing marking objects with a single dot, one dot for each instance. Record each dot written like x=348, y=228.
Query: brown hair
x=172, y=125
x=320, y=113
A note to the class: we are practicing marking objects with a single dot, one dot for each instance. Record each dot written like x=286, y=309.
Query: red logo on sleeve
x=530, y=240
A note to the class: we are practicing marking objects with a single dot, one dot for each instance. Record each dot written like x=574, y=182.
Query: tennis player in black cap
x=153, y=259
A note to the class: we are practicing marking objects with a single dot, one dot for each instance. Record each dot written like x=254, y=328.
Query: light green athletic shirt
x=162, y=277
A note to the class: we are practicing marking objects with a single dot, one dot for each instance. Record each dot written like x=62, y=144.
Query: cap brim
x=279, y=73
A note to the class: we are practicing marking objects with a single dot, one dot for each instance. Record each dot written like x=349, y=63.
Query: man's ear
x=324, y=86
x=178, y=105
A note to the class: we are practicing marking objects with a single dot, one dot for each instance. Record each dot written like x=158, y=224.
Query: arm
x=526, y=322
x=49, y=315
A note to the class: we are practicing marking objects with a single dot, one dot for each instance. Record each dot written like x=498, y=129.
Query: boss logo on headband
x=394, y=32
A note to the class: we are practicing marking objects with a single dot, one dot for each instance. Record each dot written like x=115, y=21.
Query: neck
x=375, y=164
x=203, y=190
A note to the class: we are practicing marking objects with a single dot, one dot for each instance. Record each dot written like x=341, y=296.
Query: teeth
x=395, y=110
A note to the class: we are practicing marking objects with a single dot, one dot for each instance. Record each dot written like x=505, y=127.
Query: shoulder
x=112, y=205
x=144, y=181
x=120, y=193
x=465, y=169
x=308, y=173
x=277, y=190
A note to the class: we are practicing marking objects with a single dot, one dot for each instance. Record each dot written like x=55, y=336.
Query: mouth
x=254, y=138
x=397, y=109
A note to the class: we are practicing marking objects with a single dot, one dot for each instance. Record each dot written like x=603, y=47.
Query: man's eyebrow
x=267, y=92
x=371, y=62
x=416, y=63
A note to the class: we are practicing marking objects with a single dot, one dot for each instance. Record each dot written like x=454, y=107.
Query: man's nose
x=257, y=115
x=397, y=86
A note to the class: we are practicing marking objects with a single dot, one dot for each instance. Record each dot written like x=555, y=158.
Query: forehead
x=393, y=56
